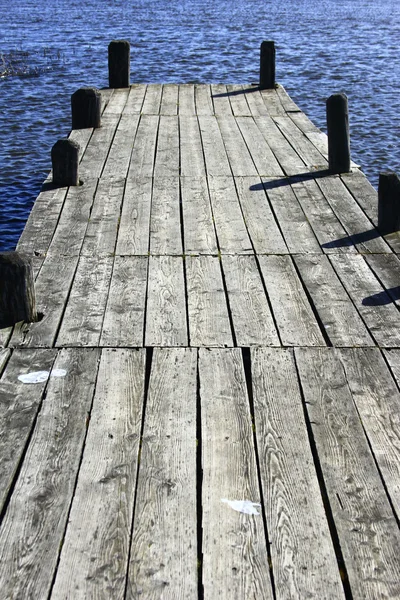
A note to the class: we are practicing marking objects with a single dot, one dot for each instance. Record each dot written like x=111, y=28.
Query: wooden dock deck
x=218, y=410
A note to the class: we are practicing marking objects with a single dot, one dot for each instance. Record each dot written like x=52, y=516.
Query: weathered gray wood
x=97, y=150
x=388, y=202
x=5, y=335
x=239, y=156
x=267, y=65
x=163, y=560
x=288, y=104
x=117, y=163
x=186, y=100
x=259, y=218
x=165, y=225
x=231, y=229
x=64, y=160
x=217, y=163
x=84, y=314
x=169, y=100
x=102, y=228
x=167, y=153
x=82, y=138
x=17, y=291
x=191, y=149
x=273, y=103
x=368, y=534
x=295, y=227
x=134, y=227
x=337, y=120
x=261, y=153
x=341, y=321
x=393, y=358
x=287, y=157
x=303, y=557
x=208, y=313
x=135, y=99
x=117, y=103
x=203, y=100
x=152, y=100
x=237, y=98
x=305, y=149
x=297, y=325
x=251, y=314
x=220, y=99
x=387, y=270
x=198, y=225
x=123, y=324
x=255, y=101
x=234, y=544
x=20, y=403
x=382, y=317
x=144, y=148
x=377, y=399
x=5, y=354
x=105, y=94
x=94, y=555
x=33, y=528
x=166, y=323
x=119, y=63
x=86, y=108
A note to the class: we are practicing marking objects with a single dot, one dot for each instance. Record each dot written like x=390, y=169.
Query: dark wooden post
x=119, y=63
x=337, y=118
x=65, y=159
x=388, y=202
x=267, y=65
x=86, y=108
x=17, y=291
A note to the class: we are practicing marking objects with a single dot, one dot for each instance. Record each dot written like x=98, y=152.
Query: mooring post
x=267, y=65
x=17, y=291
x=337, y=118
x=86, y=108
x=65, y=160
x=388, y=203
x=119, y=63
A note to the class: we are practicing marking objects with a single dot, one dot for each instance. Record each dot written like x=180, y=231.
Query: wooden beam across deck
x=209, y=404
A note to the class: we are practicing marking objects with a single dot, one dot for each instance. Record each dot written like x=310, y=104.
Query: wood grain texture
x=166, y=323
x=96, y=153
x=387, y=269
x=368, y=534
x=255, y=101
x=186, y=99
x=234, y=544
x=5, y=335
x=169, y=100
x=237, y=98
x=94, y=556
x=191, y=148
x=288, y=104
x=82, y=137
x=5, y=354
x=165, y=220
x=286, y=155
x=238, y=153
x=272, y=101
x=123, y=324
x=297, y=325
x=152, y=100
x=33, y=528
x=163, y=560
x=304, y=148
x=208, y=312
x=167, y=153
x=135, y=99
x=217, y=163
x=118, y=159
x=342, y=323
x=303, y=557
x=134, y=225
x=198, y=224
x=261, y=153
x=203, y=100
x=117, y=102
x=251, y=314
x=220, y=98
x=144, y=148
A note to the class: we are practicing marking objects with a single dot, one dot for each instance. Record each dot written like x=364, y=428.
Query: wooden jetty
x=209, y=407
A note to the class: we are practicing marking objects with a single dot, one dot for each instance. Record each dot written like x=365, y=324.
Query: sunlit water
x=48, y=50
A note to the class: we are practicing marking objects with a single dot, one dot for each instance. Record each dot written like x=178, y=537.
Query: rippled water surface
x=48, y=50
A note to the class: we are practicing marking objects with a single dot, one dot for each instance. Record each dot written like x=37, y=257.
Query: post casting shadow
x=383, y=298
x=276, y=183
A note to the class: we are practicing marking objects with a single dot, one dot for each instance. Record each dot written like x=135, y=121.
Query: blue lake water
x=52, y=49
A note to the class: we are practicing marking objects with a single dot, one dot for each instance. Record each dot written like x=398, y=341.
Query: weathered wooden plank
x=297, y=325
x=5, y=354
x=273, y=103
x=306, y=149
x=239, y=156
x=105, y=94
x=208, y=312
x=123, y=324
x=255, y=101
x=92, y=164
x=393, y=358
x=152, y=100
x=169, y=101
x=263, y=229
x=84, y=314
x=163, y=561
x=220, y=99
x=134, y=226
x=288, y=104
x=290, y=161
x=326, y=226
x=342, y=323
x=81, y=137
x=359, y=228
x=52, y=289
x=33, y=527
x=165, y=224
x=117, y=102
x=295, y=227
x=303, y=557
x=5, y=335
x=369, y=297
x=73, y=221
x=186, y=100
x=261, y=153
x=135, y=99
x=251, y=314
x=368, y=534
x=217, y=163
x=203, y=100
x=166, y=323
x=234, y=546
x=167, y=153
x=144, y=148
x=387, y=270
x=94, y=555
x=20, y=403
x=198, y=225
x=232, y=234
x=191, y=148
x=117, y=163
x=237, y=98
x=377, y=399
